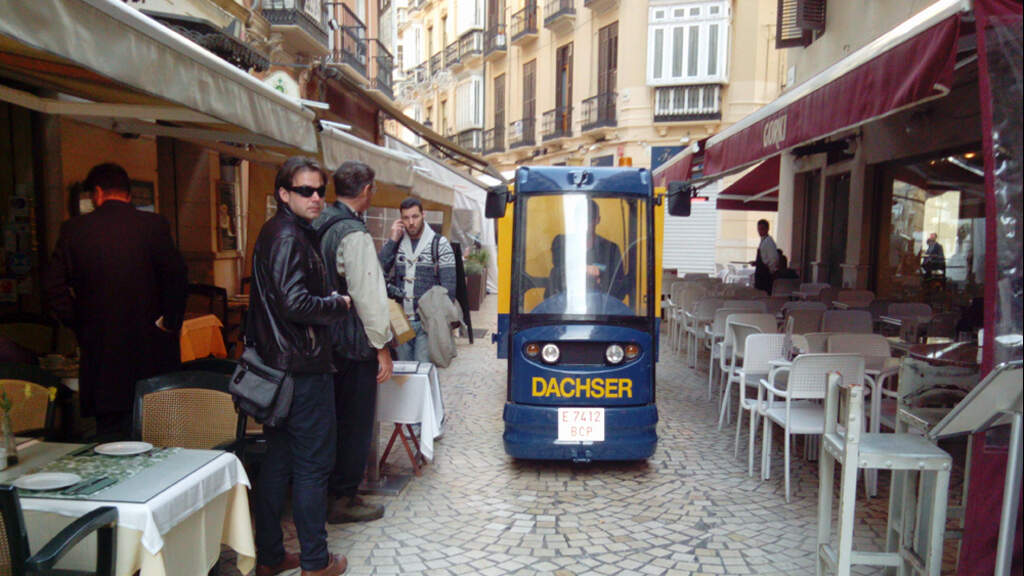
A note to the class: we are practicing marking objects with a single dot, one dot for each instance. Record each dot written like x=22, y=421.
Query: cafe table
x=413, y=396
x=175, y=506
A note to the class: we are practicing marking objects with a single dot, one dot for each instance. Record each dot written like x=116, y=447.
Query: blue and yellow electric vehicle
x=578, y=311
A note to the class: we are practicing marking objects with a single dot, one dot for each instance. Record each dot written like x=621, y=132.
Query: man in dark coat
x=118, y=281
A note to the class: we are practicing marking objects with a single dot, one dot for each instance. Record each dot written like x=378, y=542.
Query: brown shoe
x=353, y=509
x=290, y=561
x=335, y=565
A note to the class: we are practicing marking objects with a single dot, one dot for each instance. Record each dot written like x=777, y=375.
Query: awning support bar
x=66, y=108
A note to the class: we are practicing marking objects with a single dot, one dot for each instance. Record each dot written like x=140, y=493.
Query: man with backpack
x=360, y=350
x=421, y=259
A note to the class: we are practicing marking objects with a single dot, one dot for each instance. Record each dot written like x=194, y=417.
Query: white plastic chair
x=813, y=289
x=798, y=413
x=688, y=297
x=817, y=342
x=855, y=298
x=746, y=305
x=784, y=287
x=737, y=328
x=805, y=321
x=854, y=321
x=719, y=350
x=702, y=315
x=759, y=350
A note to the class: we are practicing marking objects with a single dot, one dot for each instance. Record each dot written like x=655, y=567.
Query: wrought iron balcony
x=451, y=54
x=687, y=103
x=559, y=14
x=524, y=23
x=383, y=68
x=521, y=133
x=599, y=111
x=495, y=40
x=354, y=49
x=494, y=140
x=436, y=63
x=471, y=45
x=556, y=123
x=306, y=15
x=472, y=139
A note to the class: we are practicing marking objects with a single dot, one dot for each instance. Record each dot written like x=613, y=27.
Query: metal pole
x=1011, y=499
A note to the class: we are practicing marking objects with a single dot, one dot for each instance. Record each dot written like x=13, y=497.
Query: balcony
x=471, y=47
x=494, y=140
x=524, y=24
x=352, y=53
x=436, y=63
x=559, y=16
x=417, y=4
x=599, y=111
x=600, y=6
x=688, y=103
x=556, y=123
x=521, y=133
x=495, y=41
x=383, y=66
x=419, y=75
x=472, y=140
x=300, y=24
x=451, y=55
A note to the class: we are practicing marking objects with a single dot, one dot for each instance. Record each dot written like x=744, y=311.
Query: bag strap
x=434, y=248
x=323, y=230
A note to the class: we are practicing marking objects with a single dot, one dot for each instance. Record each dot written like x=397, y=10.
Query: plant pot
x=476, y=289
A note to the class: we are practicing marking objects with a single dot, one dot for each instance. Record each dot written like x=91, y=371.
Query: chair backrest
x=944, y=324
x=14, y=548
x=856, y=298
x=774, y=304
x=807, y=377
x=718, y=323
x=690, y=295
x=763, y=322
x=740, y=331
x=805, y=321
x=817, y=342
x=827, y=295
x=909, y=309
x=751, y=305
x=878, y=308
x=844, y=410
x=31, y=331
x=759, y=349
x=858, y=321
x=705, y=308
x=870, y=345
x=803, y=305
x=675, y=291
x=813, y=287
x=207, y=299
x=32, y=392
x=785, y=286
x=188, y=409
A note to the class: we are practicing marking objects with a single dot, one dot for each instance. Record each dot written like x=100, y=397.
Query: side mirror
x=497, y=201
x=679, y=198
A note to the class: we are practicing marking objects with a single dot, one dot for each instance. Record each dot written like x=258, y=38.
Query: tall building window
x=469, y=104
x=687, y=43
x=530, y=89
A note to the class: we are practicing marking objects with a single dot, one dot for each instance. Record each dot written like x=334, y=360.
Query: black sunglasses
x=308, y=191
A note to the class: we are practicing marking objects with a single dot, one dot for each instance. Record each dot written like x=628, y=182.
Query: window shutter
x=810, y=15
x=788, y=33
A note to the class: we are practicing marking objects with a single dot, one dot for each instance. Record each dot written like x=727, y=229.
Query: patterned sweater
x=393, y=259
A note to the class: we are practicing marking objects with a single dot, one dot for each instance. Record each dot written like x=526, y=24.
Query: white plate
x=123, y=448
x=47, y=481
x=581, y=424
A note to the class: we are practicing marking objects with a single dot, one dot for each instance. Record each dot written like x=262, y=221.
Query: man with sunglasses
x=291, y=307
x=361, y=351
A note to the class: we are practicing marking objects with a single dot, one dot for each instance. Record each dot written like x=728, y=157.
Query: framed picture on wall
x=227, y=210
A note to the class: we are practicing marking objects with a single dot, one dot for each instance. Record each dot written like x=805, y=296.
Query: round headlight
x=532, y=349
x=550, y=353
x=614, y=354
x=632, y=351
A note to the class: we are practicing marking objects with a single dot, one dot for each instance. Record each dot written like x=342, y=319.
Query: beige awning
x=124, y=65
x=390, y=166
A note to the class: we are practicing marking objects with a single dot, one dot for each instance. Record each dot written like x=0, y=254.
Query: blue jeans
x=301, y=450
x=418, y=348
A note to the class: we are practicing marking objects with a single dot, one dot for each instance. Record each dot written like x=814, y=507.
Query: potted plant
x=475, y=265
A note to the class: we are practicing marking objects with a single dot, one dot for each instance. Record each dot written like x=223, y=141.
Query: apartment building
x=594, y=83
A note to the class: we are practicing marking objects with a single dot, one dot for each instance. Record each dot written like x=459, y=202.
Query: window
x=688, y=44
x=470, y=16
x=798, y=21
x=469, y=104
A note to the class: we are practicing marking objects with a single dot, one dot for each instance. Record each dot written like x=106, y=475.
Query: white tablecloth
x=175, y=532
x=413, y=396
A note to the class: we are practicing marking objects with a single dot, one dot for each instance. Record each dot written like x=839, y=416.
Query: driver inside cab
x=604, y=262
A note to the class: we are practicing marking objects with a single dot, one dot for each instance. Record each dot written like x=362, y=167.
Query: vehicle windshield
x=580, y=255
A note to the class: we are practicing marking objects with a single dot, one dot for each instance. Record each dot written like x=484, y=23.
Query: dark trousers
x=302, y=450
x=762, y=276
x=355, y=400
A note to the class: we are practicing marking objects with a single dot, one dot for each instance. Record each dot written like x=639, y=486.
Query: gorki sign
x=774, y=132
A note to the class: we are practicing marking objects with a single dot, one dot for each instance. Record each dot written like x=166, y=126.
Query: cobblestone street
x=690, y=510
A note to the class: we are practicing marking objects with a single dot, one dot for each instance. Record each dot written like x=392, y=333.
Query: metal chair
x=852, y=321
x=188, y=409
x=800, y=412
x=15, y=554
x=759, y=351
x=33, y=393
x=845, y=442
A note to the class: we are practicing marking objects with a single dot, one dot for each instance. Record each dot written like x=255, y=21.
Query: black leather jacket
x=289, y=308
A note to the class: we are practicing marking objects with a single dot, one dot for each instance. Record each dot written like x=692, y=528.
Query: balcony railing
x=436, y=63
x=524, y=22
x=556, y=11
x=419, y=74
x=687, y=103
x=495, y=40
x=494, y=140
x=451, y=54
x=599, y=111
x=353, y=49
x=556, y=123
x=383, y=67
x=306, y=14
x=472, y=139
x=521, y=133
x=471, y=44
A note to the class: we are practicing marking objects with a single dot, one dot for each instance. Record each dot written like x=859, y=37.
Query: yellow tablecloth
x=201, y=337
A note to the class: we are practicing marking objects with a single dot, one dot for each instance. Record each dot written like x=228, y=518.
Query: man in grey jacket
x=421, y=260
x=361, y=352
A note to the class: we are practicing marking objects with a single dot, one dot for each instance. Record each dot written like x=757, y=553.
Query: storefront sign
x=282, y=82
